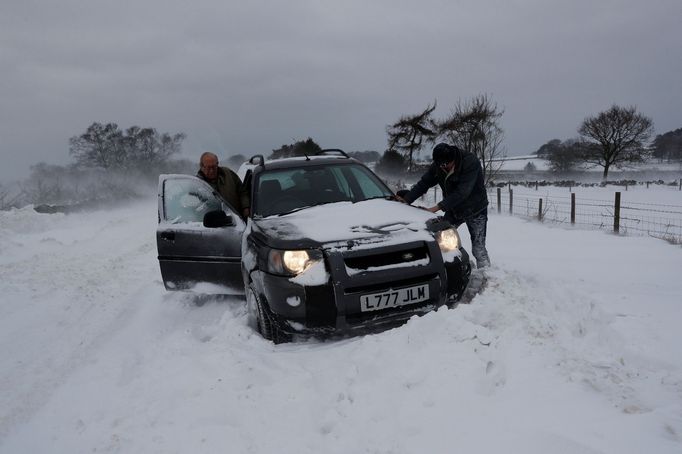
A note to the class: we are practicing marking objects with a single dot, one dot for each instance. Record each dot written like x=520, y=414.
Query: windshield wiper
x=301, y=208
x=385, y=197
x=313, y=205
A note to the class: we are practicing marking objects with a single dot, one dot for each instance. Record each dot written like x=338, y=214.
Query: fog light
x=294, y=301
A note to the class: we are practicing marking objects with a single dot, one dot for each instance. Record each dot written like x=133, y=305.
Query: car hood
x=347, y=225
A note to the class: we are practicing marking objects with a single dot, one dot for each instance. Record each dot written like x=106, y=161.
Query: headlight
x=448, y=240
x=292, y=262
x=296, y=261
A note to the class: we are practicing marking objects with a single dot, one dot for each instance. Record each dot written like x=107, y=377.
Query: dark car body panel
x=189, y=253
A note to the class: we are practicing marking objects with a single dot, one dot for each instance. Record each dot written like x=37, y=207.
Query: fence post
x=536, y=185
x=499, y=200
x=616, y=214
x=435, y=194
x=647, y=185
x=511, y=200
x=540, y=210
x=572, y=207
x=680, y=184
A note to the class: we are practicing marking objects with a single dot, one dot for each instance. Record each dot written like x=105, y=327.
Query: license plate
x=394, y=298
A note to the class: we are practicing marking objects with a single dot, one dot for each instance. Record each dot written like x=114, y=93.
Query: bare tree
x=615, y=136
x=562, y=157
x=391, y=163
x=99, y=146
x=141, y=145
x=474, y=126
x=548, y=148
x=306, y=147
x=411, y=132
x=8, y=198
x=235, y=161
x=668, y=146
x=167, y=145
x=107, y=147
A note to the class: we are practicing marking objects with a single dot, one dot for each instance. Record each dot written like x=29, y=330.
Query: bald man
x=225, y=182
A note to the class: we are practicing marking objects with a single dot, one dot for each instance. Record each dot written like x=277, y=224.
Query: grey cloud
x=243, y=77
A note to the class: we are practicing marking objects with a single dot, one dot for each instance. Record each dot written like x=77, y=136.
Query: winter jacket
x=464, y=193
x=230, y=187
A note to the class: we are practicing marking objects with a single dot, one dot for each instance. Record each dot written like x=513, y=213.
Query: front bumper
x=335, y=306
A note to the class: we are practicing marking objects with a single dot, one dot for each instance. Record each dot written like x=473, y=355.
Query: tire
x=267, y=326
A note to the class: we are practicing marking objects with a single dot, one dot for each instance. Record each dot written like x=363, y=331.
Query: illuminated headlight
x=448, y=240
x=292, y=262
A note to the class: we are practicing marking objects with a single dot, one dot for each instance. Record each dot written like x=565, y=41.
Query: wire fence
x=657, y=220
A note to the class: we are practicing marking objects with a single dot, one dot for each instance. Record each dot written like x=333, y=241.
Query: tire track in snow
x=66, y=296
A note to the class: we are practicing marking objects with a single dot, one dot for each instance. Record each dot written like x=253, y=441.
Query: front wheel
x=265, y=320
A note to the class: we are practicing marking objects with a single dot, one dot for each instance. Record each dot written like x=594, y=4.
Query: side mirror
x=218, y=218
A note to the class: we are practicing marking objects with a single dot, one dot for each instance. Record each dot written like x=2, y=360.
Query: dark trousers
x=478, y=226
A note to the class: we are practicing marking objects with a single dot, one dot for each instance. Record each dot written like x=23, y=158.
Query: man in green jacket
x=225, y=182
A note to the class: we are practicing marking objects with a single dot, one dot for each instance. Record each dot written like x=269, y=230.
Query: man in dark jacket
x=460, y=176
x=226, y=182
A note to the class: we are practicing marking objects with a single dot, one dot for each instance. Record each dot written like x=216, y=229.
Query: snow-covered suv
x=327, y=248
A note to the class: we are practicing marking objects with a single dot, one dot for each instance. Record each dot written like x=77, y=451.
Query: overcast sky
x=248, y=76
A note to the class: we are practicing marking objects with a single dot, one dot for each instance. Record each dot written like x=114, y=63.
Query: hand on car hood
x=372, y=220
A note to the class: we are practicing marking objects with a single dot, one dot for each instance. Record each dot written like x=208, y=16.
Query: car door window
x=188, y=200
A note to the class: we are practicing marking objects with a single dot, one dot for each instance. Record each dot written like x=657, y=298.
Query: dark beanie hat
x=444, y=153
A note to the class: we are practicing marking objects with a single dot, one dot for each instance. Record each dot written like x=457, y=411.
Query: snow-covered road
x=573, y=347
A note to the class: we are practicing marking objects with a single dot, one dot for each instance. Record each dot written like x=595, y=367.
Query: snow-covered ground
x=573, y=347
x=520, y=162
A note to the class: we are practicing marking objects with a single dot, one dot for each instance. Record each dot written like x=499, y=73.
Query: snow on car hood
x=337, y=224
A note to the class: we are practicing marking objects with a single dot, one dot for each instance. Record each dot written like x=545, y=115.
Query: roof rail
x=335, y=151
x=257, y=157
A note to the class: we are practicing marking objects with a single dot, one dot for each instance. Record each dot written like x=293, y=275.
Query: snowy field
x=574, y=347
x=654, y=211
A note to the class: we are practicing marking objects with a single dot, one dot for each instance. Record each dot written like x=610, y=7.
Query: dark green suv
x=326, y=250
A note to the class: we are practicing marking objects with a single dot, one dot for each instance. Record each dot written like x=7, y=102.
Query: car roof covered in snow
x=295, y=162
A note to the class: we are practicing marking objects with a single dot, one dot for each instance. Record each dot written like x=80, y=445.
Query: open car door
x=190, y=253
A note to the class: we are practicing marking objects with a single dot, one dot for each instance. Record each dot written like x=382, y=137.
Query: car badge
x=408, y=256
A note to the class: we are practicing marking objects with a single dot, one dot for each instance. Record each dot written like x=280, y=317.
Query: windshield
x=285, y=190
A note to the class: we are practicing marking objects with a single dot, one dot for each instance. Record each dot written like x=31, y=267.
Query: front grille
x=365, y=262
x=392, y=284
